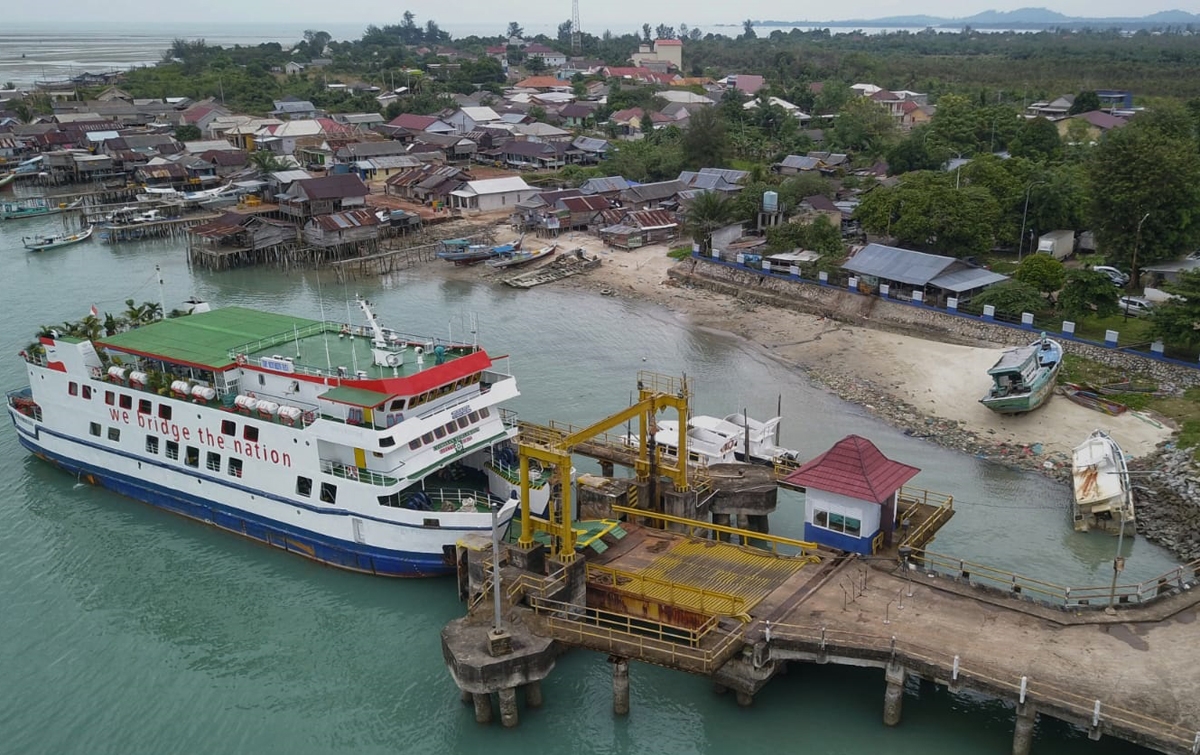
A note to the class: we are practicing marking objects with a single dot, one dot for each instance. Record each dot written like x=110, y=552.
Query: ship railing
x=356, y=473
x=509, y=418
x=22, y=400
x=775, y=544
x=662, y=591
x=353, y=330
x=537, y=478
x=469, y=500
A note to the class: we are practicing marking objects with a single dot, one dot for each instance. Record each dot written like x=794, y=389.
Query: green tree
x=925, y=211
x=1177, y=321
x=704, y=143
x=188, y=133
x=954, y=123
x=818, y=236
x=705, y=214
x=1041, y=271
x=863, y=126
x=748, y=30
x=267, y=162
x=1085, y=292
x=536, y=65
x=1145, y=196
x=911, y=153
x=1011, y=298
x=1037, y=140
x=1085, y=102
x=514, y=30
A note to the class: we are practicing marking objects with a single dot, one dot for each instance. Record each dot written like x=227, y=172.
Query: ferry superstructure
x=353, y=445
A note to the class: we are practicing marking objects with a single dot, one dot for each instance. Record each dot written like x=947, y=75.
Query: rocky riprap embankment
x=944, y=432
x=1167, y=497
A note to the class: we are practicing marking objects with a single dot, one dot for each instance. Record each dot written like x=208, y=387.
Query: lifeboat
x=267, y=408
x=289, y=415
x=181, y=388
x=203, y=393
x=116, y=374
x=137, y=379
x=245, y=404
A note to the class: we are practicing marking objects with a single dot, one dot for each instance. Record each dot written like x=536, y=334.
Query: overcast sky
x=595, y=15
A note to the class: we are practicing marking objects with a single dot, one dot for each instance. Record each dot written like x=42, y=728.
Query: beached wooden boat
x=1023, y=378
x=1103, y=496
x=42, y=243
x=1085, y=396
x=463, y=252
x=572, y=263
x=515, y=258
x=1113, y=389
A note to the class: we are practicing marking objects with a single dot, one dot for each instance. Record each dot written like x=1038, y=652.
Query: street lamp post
x=1024, y=215
x=1133, y=275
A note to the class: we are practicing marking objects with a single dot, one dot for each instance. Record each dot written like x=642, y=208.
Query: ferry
x=351, y=444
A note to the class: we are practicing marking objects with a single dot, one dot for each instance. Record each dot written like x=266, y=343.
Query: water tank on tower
x=770, y=201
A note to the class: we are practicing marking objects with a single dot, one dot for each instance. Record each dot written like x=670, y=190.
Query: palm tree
x=706, y=213
x=134, y=313
x=111, y=324
x=90, y=328
x=151, y=311
x=267, y=162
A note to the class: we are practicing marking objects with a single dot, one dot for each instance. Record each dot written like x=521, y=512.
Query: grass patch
x=680, y=253
x=1004, y=267
x=1077, y=369
x=1135, y=330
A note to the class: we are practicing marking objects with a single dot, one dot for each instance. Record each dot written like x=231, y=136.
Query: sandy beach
x=928, y=385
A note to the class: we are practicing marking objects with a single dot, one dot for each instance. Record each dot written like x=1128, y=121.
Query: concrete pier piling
x=893, y=696
x=533, y=694
x=483, y=707
x=1023, y=731
x=508, y=706
x=620, y=686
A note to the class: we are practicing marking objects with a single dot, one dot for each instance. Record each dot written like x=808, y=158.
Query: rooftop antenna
x=576, y=36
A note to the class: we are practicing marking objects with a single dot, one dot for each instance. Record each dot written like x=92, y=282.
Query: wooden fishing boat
x=1085, y=396
x=1023, y=378
x=463, y=252
x=572, y=263
x=42, y=243
x=1103, y=496
x=515, y=258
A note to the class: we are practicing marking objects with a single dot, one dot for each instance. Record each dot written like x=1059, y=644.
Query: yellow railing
x=709, y=602
x=695, y=528
x=951, y=668
x=944, y=504
x=648, y=641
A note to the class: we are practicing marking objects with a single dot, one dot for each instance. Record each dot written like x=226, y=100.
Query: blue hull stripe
x=327, y=550
x=228, y=482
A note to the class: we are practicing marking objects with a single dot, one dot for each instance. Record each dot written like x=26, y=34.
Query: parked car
x=1116, y=276
x=1134, y=305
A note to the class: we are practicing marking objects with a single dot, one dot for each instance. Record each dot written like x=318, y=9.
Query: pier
x=652, y=573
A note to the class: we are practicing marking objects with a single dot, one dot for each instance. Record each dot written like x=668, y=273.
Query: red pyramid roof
x=854, y=467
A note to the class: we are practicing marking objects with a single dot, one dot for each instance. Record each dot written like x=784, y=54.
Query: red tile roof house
x=851, y=495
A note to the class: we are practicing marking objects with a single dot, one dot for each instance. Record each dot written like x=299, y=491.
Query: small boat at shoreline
x=515, y=258
x=1023, y=378
x=42, y=243
x=1103, y=496
x=1086, y=396
x=6, y=180
x=463, y=252
x=33, y=207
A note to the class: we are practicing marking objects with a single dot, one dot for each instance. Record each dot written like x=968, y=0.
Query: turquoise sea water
x=128, y=630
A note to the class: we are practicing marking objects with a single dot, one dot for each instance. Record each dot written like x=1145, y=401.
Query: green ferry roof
x=206, y=338
x=355, y=396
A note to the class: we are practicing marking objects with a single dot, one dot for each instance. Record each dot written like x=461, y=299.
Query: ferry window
x=262, y=380
x=377, y=455
x=304, y=486
x=397, y=405
x=87, y=392
x=463, y=422
x=414, y=444
x=431, y=523
x=228, y=427
x=328, y=492
x=144, y=406
x=250, y=433
x=126, y=401
x=73, y=388
x=110, y=398
x=439, y=432
x=420, y=399
x=152, y=444
x=94, y=429
x=387, y=442
x=114, y=433
x=192, y=456
x=213, y=462
x=485, y=412
x=172, y=450
x=164, y=411
x=450, y=427
x=473, y=417
x=235, y=467
x=427, y=438
x=391, y=499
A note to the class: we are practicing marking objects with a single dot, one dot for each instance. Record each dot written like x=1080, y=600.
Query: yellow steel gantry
x=655, y=393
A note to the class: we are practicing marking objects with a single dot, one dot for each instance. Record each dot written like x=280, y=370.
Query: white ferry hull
x=419, y=553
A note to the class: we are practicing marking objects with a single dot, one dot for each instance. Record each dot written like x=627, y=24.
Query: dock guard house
x=850, y=495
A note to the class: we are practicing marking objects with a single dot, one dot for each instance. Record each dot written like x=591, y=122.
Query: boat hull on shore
x=1103, y=497
x=1024, y=377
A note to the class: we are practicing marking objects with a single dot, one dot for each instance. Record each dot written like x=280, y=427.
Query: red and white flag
x=94, y=312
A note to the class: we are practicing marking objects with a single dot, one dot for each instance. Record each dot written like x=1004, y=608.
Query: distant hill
x=1022, y=18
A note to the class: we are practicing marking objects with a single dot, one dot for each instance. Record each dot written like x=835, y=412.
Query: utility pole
x=1133, y=271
